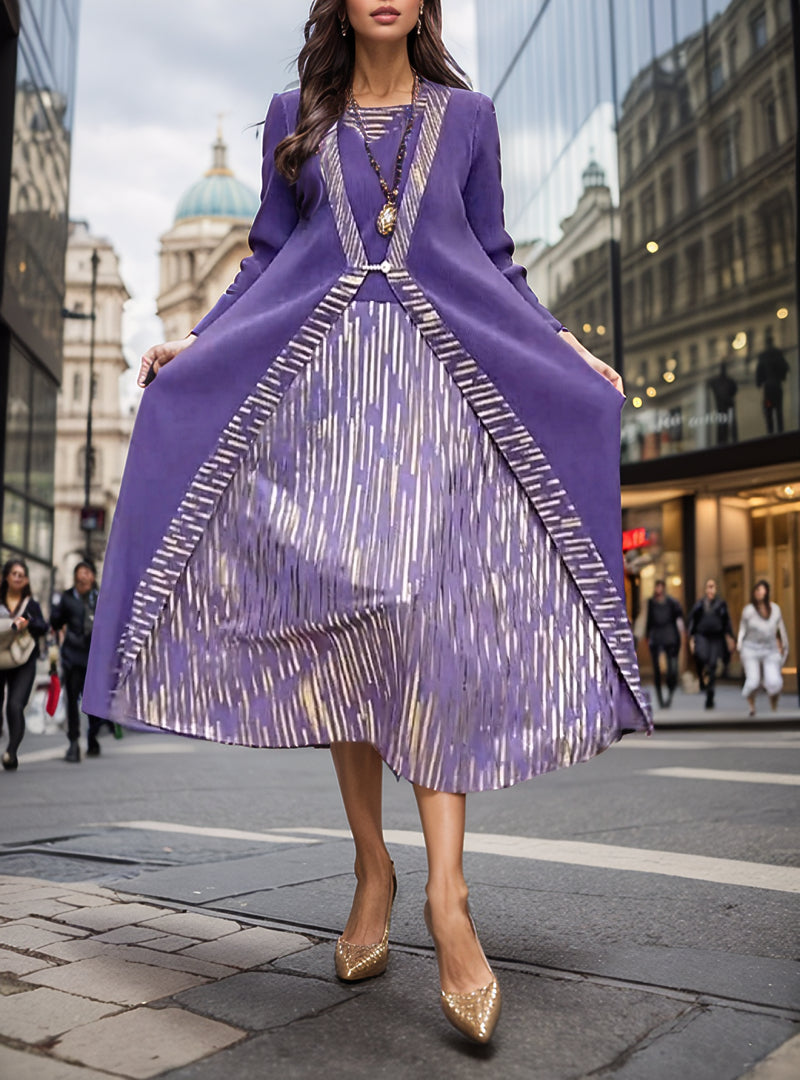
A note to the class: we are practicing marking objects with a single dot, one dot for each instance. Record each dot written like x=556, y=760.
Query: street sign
x=93, y=518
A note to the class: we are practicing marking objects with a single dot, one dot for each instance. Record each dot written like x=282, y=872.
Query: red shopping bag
x=53, y=694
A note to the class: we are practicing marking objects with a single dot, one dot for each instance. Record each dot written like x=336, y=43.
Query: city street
x=640, y=912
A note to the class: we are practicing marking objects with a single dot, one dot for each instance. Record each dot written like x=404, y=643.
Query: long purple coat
x=315, y=251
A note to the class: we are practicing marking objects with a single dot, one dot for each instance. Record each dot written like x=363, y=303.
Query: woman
x=392, y=532
x=763, y=645
x=711, y=638
x=22, y=625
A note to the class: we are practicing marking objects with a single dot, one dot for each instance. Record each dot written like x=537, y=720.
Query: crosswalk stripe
x=607, y=857
x=667, y=743
x=791, y=779
x=571, y=852
x=204, y=830
x=148, y=748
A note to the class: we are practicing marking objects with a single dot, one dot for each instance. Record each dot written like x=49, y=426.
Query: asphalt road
x=640, y=910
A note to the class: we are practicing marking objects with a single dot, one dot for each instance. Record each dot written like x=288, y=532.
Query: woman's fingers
x=144, y=368
x=156, y=357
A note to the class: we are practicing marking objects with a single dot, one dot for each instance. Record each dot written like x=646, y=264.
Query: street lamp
x=87, y=523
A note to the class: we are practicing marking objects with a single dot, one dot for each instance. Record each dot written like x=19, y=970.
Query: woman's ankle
x=447, y=894
x=374, y=864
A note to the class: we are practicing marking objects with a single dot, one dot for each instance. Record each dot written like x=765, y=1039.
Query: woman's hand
x=159, y=355
x=593, y=361
x=20, y=623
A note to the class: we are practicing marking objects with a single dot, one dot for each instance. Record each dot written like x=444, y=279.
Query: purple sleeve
x=483, y=200
x=274, y=222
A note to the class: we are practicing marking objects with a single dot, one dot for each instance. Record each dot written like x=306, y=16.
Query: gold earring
x=419, y=20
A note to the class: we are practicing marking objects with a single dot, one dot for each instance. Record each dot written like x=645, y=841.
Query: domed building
x=200, y=254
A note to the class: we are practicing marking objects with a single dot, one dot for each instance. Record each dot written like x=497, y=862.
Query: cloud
x=152, y=78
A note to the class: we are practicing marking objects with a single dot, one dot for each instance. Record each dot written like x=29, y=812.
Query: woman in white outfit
x=763, y=646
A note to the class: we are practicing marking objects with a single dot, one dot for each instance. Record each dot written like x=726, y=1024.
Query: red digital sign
x=635, y=538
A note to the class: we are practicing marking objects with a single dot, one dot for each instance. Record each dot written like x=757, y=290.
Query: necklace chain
x=387, y=218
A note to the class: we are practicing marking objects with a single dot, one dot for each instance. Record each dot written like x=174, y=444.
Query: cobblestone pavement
x=98, y=983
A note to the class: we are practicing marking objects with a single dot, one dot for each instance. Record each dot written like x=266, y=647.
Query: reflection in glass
x=18, y=417
x=38, y=211
x=686, y=109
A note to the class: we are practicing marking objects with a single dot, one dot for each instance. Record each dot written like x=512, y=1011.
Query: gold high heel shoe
x=356, y=962
x=474, y=1014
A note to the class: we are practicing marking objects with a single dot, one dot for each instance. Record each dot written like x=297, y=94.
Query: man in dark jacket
x=710, y=637
x=663, y=632
x=771, y=374
x=75, y=612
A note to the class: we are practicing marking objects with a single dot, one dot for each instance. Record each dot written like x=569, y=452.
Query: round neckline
x=392, y=108
x=384, y=108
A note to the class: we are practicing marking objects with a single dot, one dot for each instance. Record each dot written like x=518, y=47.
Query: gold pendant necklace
x=387, y=218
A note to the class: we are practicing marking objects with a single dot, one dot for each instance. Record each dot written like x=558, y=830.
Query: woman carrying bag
x=21, y=626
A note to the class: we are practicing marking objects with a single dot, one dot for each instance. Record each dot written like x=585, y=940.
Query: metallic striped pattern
x=374, y=572
x=378, y=550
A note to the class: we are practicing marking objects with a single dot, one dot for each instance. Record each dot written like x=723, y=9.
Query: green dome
x=219, y=193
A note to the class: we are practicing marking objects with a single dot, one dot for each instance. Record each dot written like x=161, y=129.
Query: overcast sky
x=152, y=78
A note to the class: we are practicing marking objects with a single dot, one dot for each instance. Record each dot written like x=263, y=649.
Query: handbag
x=16, y=647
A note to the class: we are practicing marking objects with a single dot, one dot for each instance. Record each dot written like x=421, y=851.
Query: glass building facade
x=38, y=50
x=649, y=159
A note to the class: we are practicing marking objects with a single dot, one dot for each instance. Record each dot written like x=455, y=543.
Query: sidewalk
x=730, y=709
x=97, y=984
x=100, y=980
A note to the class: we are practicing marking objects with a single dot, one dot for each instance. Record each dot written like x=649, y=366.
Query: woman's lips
x=385, y=15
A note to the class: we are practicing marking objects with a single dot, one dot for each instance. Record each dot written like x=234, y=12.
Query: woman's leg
x=752, y=677
x=359, y=770
x=462, y=965
x=19, y=685
x=773, y=678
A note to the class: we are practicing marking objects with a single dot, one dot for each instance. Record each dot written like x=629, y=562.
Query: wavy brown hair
x=325, y=66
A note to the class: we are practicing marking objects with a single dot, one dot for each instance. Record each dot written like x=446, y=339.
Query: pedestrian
x=74, y=613
x=724, y=388
x=664, y=630
x=763, y=645
x=771, y=371
x=710, y=637
x=22, y=626
x=376, y=506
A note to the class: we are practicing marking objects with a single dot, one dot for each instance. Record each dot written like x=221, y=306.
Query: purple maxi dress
x=378, y=499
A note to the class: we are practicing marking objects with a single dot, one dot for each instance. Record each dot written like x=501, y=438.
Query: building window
x=693, y=356
x=644, y=138
x=777, y=228
x=648, y=211
x=77, y=386
x=664, y=118
x=732, y=49
x=667, y=196
x=726, y=154
x=627, y=159
x=716, y=77
x=647, y=295
x=723, y=247
x=769, y=123
x=668, y=286
x=629, y=302
x=684, y=103
x=630, y=226
x=95, y=387
x=691, y=178
x=758, y=30
x=695, y=274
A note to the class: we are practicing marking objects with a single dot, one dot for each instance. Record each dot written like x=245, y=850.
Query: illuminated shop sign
x=636, y=538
